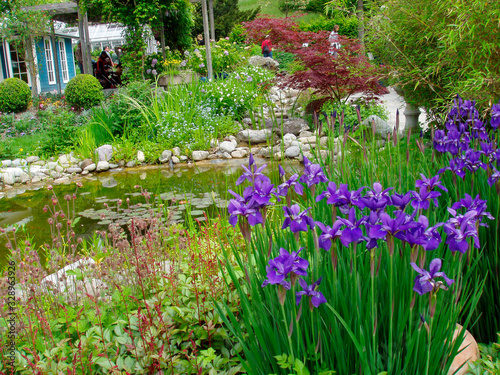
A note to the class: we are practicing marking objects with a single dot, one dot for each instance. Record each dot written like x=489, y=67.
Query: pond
x=198, y=189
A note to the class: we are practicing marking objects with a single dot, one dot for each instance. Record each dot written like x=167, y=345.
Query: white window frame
x=63, y=60
x=10, y=68
x=49, y=58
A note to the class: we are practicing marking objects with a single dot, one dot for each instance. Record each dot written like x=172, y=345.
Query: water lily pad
x=202, y=218
x=197, y=212
x=85, y=193
x=104, y=222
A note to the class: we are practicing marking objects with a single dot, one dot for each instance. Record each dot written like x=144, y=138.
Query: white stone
x=52, y=165
x=305, y=133
x=227, y=147
x=165, y=156
x=296, y=144
x=292, y=152
x=175, y=160
x=176, y=151
x=382, y=127
x=214, y=143
x=141, y=157
x=32, y=159
x=255, y=136
x=36, y=179
x=16, y=172
x=74, y=170
x=130, y=164
x=102, y=166
x=63, y=159
x=6, y=163
x=226, y=155
x=105, y=153
x=90, y=167
x=184, y=157
x=200, y=155
x=59, y=169
x=25, y=177
x=288, y=139
x=238, y=154
x=8, y=179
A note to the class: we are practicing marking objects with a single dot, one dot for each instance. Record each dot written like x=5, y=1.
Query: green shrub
x=15, y=95
x=348, y=26
x=83, y=91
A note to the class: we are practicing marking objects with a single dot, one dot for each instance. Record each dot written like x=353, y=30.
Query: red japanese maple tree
x=336, y=75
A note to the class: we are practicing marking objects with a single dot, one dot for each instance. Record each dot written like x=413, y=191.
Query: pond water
x=202, y=189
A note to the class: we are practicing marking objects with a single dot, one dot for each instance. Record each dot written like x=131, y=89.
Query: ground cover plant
x=384, y=257
x=145, y=304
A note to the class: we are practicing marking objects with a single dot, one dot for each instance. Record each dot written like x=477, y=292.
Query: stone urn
x=468, y=353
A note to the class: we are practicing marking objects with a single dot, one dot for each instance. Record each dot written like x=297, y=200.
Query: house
x=13, y=64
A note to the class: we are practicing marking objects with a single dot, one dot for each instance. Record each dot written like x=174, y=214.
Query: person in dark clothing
x=103, y=69
x=200, y=40
x=267, y=47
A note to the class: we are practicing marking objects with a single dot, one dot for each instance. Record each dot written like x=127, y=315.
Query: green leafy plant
x=15, y=95
x=489, y=363
x=84, y=91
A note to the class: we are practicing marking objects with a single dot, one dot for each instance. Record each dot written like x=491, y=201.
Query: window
x=19, y=68
x=64, y=61
x=50, y=61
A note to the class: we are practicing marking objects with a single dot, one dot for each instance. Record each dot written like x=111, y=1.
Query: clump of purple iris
x=317, y=298
x=495, y=116
x=297, y=220
x=284, y=265
x=425, y=281
x=153, y=62
x=313, y=174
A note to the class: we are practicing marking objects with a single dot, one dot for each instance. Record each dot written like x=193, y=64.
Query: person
x=79, y=57
x=106, y=49
x=200, y=40
x=333, y=38
x=103, y=69
x=267, y=47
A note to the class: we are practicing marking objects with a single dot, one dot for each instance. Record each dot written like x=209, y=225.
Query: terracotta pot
x=468, y=353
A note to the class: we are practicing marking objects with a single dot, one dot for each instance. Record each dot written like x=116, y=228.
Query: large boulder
x=468, y=353
x=104, y=152
x=227, y=146
x=165, y=156
x=287, y=126
x=254, y=136
x=382, y=127
x=264, y=62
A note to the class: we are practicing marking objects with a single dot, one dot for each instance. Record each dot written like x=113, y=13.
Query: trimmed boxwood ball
x=15, y=95
x=83, y=91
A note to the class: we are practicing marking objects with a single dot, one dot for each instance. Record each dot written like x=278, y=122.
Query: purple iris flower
x=475, y=204
x=457, y=166
x=459, y=228
x=291, y=182
x=283, y=265
x=425, y=282
x=414, y=236
x=252, y=172
x=296, y=220
x=263, y=191
x=376, y=199
x=401, y=201
x=245, y=206
x=352, y=232
x=473, y=160
x=430, y=183
x=329, y=234
x=440, y=141
x=344, y=198
x=495, y=116
x=317, y=298
x=374, y=232
x=430, y=234
x=401, y=222
x=330, y=193
x=422, y=199
x=495, y=176
x=313, y=174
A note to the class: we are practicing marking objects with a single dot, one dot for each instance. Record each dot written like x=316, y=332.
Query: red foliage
x=336, y=77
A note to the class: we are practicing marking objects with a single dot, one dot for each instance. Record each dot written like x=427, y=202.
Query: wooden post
x=88, y=67
x=207, y=38
x=211, y=15
x=162, y=37
x=55, y=56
